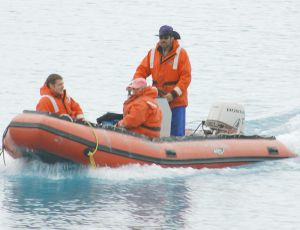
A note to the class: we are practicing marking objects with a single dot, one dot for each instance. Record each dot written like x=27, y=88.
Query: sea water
x=241, y=51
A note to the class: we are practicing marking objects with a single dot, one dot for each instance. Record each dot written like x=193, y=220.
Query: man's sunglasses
x=164, y=36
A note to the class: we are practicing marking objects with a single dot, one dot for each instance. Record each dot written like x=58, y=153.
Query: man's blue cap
x=165, y=30
x=168, y=30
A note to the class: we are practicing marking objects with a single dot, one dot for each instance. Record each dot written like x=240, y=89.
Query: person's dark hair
x=176, y=35
x=51, y=79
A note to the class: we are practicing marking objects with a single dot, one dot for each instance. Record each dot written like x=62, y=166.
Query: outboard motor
x=226, y=118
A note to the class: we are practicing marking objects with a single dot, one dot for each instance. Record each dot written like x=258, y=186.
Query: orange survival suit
x=171, y=73
x=141, y=113
x=62, y=104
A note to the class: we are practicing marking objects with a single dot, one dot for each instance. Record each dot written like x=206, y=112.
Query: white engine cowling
x=226, y=118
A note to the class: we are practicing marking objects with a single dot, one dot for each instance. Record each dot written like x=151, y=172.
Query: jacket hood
x=149, y=91
x=44, y=90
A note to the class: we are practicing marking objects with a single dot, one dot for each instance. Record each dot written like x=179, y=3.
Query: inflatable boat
x=44, y=136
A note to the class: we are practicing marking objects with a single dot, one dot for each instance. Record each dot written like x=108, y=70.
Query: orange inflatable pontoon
x=50, y=139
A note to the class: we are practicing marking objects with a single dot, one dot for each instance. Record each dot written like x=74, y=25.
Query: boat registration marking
x=219, y=151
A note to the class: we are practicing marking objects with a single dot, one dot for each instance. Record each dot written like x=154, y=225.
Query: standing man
x=170, y=68
x=54, y=99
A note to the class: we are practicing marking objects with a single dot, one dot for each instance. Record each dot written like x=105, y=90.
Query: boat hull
x=36, y=135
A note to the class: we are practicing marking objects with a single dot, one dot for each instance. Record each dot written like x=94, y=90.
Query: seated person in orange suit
x=54, y=99
x=141, y=113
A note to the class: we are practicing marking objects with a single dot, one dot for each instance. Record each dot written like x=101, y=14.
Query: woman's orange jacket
x=165, y=77
x=141, y=113
x=58, y=104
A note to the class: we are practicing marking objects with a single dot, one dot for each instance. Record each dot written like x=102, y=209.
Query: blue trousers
x=178, y=121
